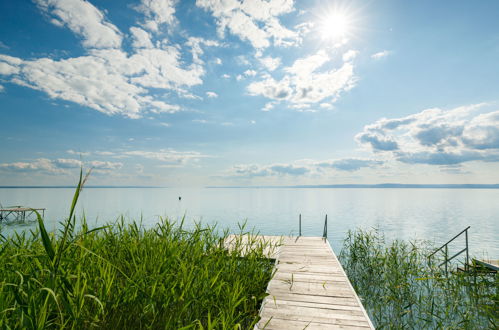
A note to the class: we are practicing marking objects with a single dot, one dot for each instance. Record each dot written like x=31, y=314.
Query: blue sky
x=262, y=92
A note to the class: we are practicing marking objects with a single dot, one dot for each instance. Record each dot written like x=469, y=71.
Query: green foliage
x=126, y=276
x=401, y=291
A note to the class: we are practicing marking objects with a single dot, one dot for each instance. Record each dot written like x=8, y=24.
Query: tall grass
x=400, y=291
x=126, y=276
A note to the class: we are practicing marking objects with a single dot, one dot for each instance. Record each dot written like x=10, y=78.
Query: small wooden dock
x=19, y=213
x=309, y=289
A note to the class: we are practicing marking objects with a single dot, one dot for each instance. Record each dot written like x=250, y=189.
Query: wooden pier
x=19, y=213
x=309, y=289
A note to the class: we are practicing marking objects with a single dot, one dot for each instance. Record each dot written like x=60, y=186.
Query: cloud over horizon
x=436, y=136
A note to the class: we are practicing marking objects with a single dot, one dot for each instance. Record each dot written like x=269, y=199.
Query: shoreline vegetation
x=400, y=290
x=126, y=276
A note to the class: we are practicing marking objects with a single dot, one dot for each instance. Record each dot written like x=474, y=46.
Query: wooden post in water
x=300, y=226
x=324, y=233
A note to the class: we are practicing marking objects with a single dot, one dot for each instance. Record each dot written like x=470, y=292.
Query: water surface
x=430, y=214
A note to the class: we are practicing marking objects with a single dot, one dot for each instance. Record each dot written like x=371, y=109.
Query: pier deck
x=309, y=289
x=14, y=213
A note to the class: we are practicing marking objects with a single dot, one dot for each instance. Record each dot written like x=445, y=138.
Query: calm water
x=432, y=214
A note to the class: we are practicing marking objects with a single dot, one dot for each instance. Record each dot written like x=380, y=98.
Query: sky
x=260, y=92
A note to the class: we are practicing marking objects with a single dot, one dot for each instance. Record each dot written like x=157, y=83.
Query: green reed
x=401, y=291
x=126, y=276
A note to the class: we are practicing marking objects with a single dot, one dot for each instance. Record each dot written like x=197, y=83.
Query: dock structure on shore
x=18, y=213
x=309, y=288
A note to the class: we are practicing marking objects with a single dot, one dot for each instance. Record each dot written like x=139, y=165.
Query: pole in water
x=179, y=198
x=300, y=225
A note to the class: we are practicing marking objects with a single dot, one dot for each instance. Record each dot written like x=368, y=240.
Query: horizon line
x=377, y=185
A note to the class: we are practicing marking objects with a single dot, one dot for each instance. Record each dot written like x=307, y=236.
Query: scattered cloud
x=270, y=63
x=253, y=170
x=225, y=76
x=58, y=166
x=201, y=121
x=381, y=54
x=304, y=84
x=302, y=168
x=349, y=164
x=350, y=55
x=83, y=19
x=255, y=21
x=80, y=153
x=268, y=106
x=250, y=73
x=107, y=78
x=157, y=12
x=211, y=95
x=169, y=156
x=436, y=136
x=140, y=38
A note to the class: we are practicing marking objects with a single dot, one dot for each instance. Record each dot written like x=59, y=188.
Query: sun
x=335, y=25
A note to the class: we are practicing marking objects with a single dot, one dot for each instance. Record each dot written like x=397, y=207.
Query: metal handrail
x=446, y=251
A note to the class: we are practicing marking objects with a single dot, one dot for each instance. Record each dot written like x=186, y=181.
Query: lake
x=430, y=214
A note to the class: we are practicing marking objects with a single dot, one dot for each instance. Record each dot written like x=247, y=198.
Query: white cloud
x=196, y=43
x=100, y=165
x=109, y=80
x=252, y=20
x=83, y=19
x=218, y=61
x=201, y=121
x=7, y=69
x=270, y=63
x=141, y=38
x=268, y=106
x=211, y=95
x=39, y=165
x=381, y=54
x=2, y=88
x=302, y=168
x=157, y=12
x=58, y=166
x=225, y=76
x=165, y=124
x=305, y=83
x=250, y=73
x=168, y=156
x=74, y=152
x=350, y=55
x=67, y=163
x=436, y=136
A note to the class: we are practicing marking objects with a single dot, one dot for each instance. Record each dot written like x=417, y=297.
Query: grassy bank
x=400, y=291
x=125, y=276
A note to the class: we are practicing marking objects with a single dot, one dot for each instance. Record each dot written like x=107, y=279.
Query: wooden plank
x=309, y=288
x=277, y=323
x=314, y=304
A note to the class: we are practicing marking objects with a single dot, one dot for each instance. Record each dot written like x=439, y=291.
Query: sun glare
x=335, y=25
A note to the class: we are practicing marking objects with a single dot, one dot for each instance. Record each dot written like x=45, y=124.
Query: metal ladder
x=445, y=249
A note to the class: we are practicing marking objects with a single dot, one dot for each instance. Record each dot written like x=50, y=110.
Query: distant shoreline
x=332, y=186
